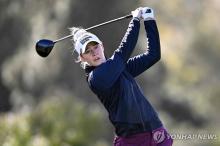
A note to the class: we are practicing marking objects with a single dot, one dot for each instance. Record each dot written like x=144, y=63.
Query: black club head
x=44, y=47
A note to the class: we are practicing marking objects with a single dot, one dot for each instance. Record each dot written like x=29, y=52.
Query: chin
x=97, y=64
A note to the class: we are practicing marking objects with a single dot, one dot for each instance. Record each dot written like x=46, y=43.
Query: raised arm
x=142, y=62
x=129, y=40
x=105, y=75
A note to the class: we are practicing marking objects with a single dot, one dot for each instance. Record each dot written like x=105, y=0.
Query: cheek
x=101, y=51
x=86, y=58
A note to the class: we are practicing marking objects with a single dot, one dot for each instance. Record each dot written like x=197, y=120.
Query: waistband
x=126, y=129
x=134, y=138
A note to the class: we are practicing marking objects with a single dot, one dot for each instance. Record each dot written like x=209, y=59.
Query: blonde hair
x=73, y=31
x=82, y=63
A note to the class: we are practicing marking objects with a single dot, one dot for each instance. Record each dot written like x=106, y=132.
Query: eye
x=96, y=46
x=87, y=51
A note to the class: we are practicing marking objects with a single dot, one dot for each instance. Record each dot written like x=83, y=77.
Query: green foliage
x=55, y=122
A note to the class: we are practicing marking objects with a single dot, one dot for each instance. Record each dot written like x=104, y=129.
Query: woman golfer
x=113, y=81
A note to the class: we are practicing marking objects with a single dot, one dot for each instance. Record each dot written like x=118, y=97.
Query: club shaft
x=95, y=26
x=111, y=21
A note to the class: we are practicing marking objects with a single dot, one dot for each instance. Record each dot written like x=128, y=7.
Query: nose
x=94, y=52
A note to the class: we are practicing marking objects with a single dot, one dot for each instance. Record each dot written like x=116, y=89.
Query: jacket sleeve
x=142, y=62
x=105, y=75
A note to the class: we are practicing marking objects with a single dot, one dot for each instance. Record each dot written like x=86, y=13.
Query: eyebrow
x=91, y=45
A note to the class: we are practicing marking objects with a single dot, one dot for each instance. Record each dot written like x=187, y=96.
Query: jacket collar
x=88, y=69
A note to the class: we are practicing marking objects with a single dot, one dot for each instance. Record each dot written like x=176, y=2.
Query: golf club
x=45, y=46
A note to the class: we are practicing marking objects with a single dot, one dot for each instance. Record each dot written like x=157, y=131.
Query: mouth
x=97, y=59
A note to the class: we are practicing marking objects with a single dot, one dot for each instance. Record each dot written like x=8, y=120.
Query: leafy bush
x=55, y=122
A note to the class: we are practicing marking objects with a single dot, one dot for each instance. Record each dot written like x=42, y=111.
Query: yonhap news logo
x=191, y=136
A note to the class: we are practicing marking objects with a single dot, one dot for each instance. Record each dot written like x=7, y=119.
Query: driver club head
x=44, y=47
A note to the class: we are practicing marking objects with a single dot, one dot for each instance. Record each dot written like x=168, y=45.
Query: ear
x=102, y=46
x=82, y=58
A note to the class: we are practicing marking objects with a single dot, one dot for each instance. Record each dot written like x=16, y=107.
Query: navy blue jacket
x=114, y=84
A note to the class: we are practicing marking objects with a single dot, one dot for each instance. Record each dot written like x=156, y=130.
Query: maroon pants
x=158, y=137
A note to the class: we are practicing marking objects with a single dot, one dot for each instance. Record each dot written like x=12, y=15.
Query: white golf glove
x=147, y=13
x=137, y=13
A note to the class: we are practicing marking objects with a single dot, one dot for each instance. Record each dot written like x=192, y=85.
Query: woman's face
x=94, y=54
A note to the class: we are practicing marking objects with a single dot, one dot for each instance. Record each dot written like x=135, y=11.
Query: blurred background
x=46, y=101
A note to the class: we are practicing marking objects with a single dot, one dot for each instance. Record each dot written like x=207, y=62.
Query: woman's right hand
x=137, y=13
